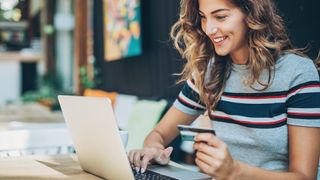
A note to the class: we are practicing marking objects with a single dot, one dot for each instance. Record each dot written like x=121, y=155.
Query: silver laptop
x=98, y=144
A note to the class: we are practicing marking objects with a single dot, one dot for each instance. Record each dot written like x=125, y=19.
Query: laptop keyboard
x=150, y=175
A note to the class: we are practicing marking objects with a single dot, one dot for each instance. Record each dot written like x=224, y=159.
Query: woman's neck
x=241, y=56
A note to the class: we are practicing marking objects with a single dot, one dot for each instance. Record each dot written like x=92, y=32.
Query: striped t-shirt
x=254, y=123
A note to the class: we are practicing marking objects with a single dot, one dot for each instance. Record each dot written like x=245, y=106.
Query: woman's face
x=225, y=24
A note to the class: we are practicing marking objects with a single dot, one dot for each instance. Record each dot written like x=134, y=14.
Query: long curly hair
x=267, y=40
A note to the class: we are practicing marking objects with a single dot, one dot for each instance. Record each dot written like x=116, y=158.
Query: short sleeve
x=188, y=100
x=303, y=100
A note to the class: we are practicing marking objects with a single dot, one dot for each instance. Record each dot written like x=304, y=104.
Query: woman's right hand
x=140, y=158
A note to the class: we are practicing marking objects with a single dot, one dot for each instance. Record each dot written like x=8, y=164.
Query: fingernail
x=137, y=169
x=142, y=170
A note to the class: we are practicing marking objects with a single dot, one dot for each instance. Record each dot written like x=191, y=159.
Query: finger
x=168, y=151
x=209, y=150
x=164, y=156
x=209, y=138
x=162, y=159
x=144, y=162
x=130, y=156
x=204, y=167
x=137, y=160
x=207, y=159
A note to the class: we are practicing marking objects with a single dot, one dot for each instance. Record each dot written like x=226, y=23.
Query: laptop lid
x=95, y=135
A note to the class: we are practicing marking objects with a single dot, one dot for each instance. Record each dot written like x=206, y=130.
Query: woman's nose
x=211, y=28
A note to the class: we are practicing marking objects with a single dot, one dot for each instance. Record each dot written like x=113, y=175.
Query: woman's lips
x=218, y=41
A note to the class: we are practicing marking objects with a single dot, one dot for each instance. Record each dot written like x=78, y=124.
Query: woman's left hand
x=213, y=157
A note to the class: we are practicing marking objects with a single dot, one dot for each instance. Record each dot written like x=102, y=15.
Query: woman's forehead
x=208, y=6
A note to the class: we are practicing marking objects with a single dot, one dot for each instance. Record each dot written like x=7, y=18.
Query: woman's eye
x=221, y=17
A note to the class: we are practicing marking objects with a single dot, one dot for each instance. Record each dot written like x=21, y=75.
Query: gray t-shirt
x=254, y=123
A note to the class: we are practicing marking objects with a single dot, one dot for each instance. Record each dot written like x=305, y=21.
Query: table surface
x=48, y=167
x=43, y=167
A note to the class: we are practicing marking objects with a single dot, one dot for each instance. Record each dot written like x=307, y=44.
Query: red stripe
x=304, y=114
x=249, y=122
x=303, y=87
x=254, y=97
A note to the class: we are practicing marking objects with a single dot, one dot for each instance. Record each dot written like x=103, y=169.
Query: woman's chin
x=221, y=53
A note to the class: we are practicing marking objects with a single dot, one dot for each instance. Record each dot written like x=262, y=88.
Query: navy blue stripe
x=252, y=110
x=190, y=105
x=304, y=100
x=302, y=117
x=191, y=94
x=277, y=93
x=304, y=84
x=261, y=126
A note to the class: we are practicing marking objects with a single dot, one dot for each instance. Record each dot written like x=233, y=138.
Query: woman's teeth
x=219, y=39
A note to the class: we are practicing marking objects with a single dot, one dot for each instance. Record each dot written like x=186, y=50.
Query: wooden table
x=43, y=167
x=48, y=167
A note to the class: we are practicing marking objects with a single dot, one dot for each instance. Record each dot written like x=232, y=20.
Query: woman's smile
x=219, y=40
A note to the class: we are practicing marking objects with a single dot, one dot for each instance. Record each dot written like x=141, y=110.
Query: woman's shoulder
x=298, y=68
x=296, y=63
x=294, y=60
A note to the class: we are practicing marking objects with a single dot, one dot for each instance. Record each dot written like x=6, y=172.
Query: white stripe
x=192, y=86
x=253, y=101
x=186, y=109
x=182, y=96
x=304, y=110
x=250, y=119
x=304, y=122
x=305, y=90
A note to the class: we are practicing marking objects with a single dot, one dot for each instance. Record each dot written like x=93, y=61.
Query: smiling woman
x=224, y=24
x=262, y=94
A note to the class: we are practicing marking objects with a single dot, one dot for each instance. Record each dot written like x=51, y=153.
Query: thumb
x=164, y=156
x=168, y=151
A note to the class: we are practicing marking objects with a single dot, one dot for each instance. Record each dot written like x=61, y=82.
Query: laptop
x=98, y=144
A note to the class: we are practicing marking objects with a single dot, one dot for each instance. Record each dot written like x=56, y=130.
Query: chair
x=100, y=93
x=145, y=115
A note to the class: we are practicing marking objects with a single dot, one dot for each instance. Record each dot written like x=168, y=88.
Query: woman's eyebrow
x=215, y=11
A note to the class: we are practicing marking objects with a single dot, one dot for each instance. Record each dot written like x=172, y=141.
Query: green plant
x=87, y=80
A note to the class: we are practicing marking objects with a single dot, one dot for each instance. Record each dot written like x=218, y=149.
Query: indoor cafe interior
x=116, y=49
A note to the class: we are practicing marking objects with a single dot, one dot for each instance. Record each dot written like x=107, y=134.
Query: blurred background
x=114, y=48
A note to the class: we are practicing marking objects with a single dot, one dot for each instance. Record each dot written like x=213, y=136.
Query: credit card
x=189, y=132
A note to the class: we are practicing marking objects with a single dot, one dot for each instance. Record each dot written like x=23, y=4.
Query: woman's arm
x=167, y=129
x=304, y=149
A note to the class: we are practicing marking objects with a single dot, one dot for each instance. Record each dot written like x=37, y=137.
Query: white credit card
x=189, y=132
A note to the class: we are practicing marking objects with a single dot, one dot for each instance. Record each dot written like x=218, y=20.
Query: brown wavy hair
x=317, y=62
x=267, y=40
